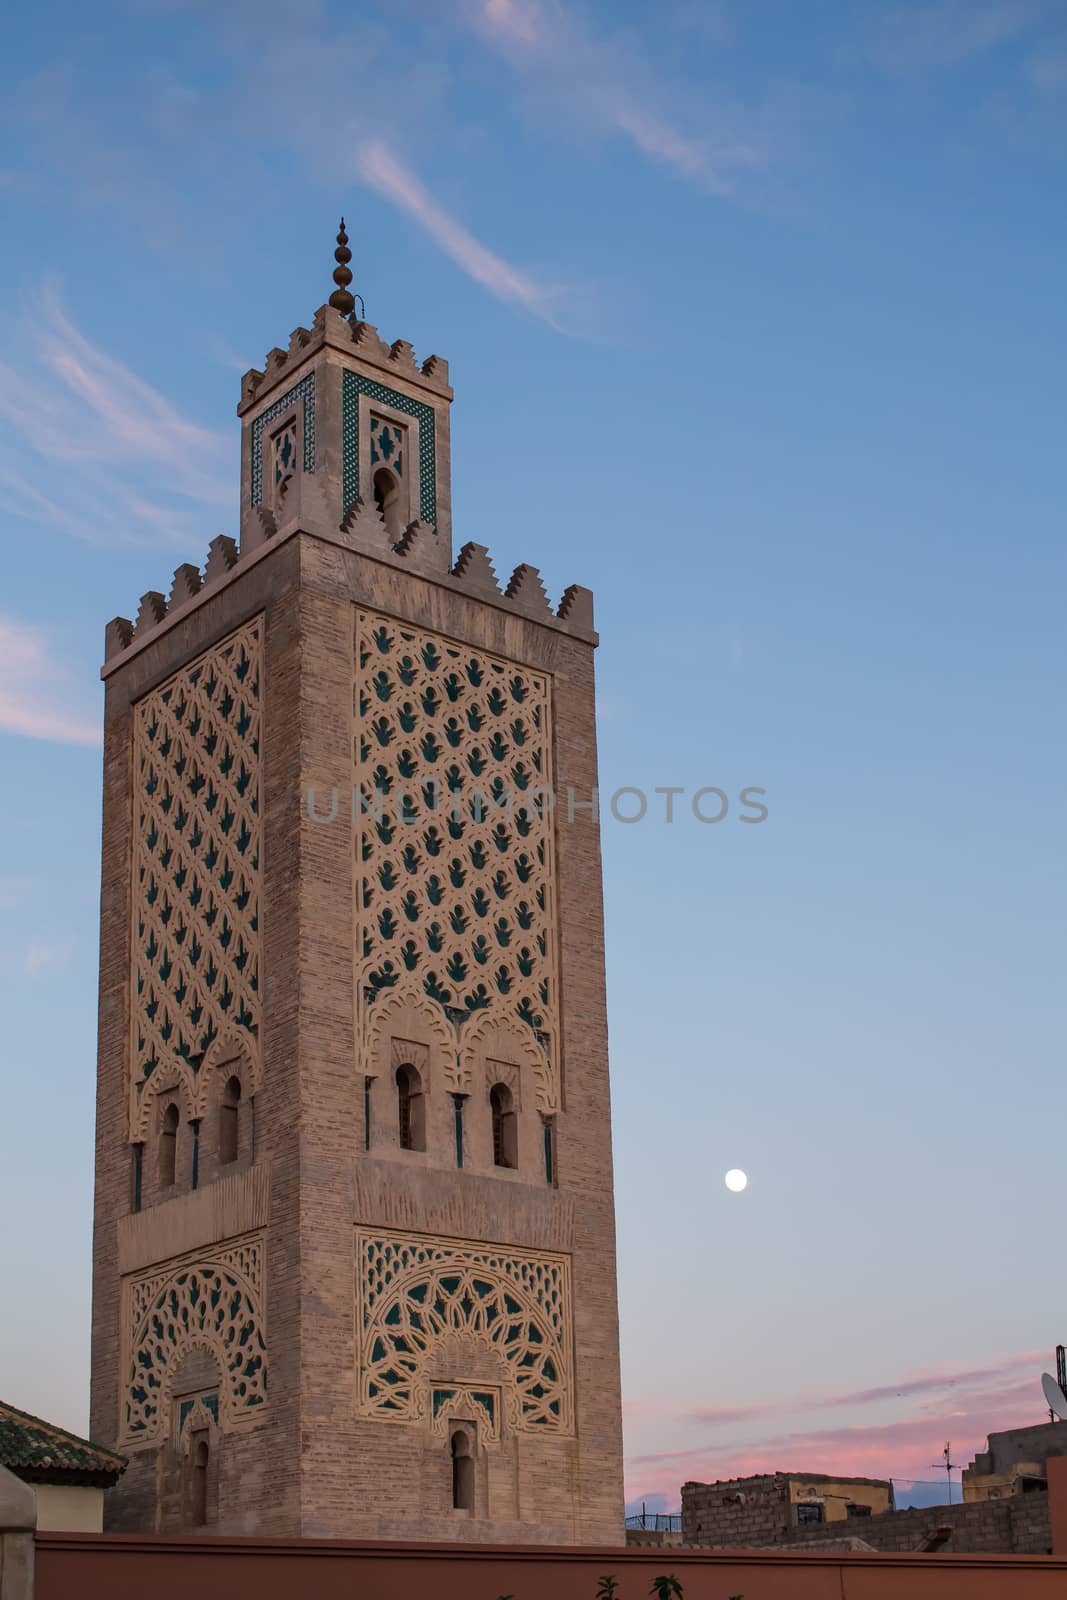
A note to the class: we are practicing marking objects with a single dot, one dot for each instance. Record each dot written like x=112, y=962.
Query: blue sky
x=755, y=319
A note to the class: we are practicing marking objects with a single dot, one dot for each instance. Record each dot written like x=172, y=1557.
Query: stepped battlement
x=352, y=337
x=363, y=529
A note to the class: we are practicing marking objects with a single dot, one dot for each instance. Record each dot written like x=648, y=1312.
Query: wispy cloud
x=39, y=696
x=947, y=1382
x=944, y=1381
x=726, y=1416
x=384, y=171
x=43, y=955
x=906, y=1449
x=132, y=468
x=918, y=37
x=39, y=956
x=964, y=1404
x=519, y=21
x=606, y=80
x=223, y=353
x=133, y=416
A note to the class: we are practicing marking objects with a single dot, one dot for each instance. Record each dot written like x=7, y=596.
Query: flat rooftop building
x=1013, y=1462
x=767, y=1508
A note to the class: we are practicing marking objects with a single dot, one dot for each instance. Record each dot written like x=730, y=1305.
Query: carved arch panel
x=213, y=1302
x=435, y=1313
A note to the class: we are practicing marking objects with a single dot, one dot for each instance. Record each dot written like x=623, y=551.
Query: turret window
x=168, y=1146
x=505, y=1126
x=283, y=451
x=388, y=500
x=229, y=1121
x=410, y=1111
x=198, y=1485
x=462, y=1471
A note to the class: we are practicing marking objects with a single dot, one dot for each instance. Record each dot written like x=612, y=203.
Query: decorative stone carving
x=454, y=845
x=421, y=1296
x=196, y=866
x=213, y=1301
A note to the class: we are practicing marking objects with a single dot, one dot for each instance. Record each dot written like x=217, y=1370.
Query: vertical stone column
x=18, y=1522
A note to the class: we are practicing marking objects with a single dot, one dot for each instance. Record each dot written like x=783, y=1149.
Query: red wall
x=1056, y=1467
x=116, y=1567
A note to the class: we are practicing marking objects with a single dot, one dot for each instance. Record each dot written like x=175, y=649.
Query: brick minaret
x=354, y=1257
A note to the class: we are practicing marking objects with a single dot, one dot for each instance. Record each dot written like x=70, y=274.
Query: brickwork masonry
x=754, y=1513
x=1017, y=1526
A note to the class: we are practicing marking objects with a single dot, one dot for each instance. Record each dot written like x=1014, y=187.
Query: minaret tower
x=354, y=1254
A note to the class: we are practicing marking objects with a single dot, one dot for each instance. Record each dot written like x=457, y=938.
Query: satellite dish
x=1054, y=1395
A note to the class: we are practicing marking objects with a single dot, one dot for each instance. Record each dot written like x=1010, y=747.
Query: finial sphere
x=342, y=299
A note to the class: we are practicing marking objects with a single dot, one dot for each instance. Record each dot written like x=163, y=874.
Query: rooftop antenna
x=949, y=1466
x=1055, y=1388
x=342, y=299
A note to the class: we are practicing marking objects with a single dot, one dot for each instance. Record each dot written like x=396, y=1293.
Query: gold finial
x=342, y=299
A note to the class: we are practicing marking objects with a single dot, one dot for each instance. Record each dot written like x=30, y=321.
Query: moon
x=736, y=1180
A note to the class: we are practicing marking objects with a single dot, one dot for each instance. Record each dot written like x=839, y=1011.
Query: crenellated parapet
x=330, y=329
x=364, y=531
x=342, y=416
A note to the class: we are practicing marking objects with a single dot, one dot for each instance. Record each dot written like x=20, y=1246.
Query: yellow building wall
x=1000, y=1485
x=62, y=1509
x=834, y=1497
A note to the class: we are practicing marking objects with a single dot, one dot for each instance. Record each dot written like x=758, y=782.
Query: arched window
x=198, y=1485
x=462, y=1471
x=168, y=1143
x=387, y=499
x=550, y=1149
x=410, y=1116
x=229, y=1124
x=505, y=1126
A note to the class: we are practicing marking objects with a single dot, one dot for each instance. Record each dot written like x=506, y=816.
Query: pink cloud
x=384, y=171
x=68, y=400
x=136, y=417
x=700, y=160
x=513, y=20
x=723, y=1416
x=933, y=1382
x=962, y=1405
x=611, y=85
x=38, y=697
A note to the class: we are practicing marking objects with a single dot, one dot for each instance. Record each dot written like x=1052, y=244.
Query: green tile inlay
x=353, y=385
x=304, y=390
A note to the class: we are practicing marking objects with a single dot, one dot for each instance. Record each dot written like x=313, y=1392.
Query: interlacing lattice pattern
x=196, y=860
x=387, y=444
x=213, y=1302
x=304, y=392
x=353, y=384
x=415, y=1291
x=462, y=1398
x=284, y=450
x=455, y=864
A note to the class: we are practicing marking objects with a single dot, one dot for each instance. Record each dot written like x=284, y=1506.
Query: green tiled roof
x=39, y=1452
